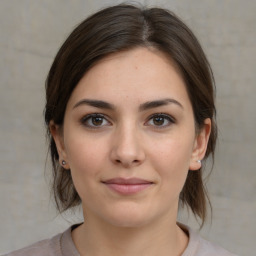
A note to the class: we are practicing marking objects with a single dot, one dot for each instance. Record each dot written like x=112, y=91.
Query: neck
x=96, y=238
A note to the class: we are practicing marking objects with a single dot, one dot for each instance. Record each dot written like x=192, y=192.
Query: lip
x=127, y=186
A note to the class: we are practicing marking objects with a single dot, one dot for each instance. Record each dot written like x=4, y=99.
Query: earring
x=199, y=161
x=63, y=162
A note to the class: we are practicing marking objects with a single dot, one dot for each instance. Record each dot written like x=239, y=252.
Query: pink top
x=63, y=245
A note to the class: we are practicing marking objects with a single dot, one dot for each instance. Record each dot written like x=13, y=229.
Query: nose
x=127, y=147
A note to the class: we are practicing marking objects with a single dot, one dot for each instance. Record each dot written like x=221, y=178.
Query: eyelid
x=162, y=114
x=170, y=118
x=84, y=119
x=88, y=116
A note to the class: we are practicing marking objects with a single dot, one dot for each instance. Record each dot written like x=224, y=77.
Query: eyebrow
x=95, y=103
x=145, y=106
x=158, y=103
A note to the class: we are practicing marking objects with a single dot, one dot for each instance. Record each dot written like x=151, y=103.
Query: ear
x=200, y=145
x=57, y=134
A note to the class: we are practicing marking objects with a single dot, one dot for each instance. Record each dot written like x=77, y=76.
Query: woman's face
x=129, y=138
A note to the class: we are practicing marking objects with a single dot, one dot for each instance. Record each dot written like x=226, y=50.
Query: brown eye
x=160, y=120
x=95, y=121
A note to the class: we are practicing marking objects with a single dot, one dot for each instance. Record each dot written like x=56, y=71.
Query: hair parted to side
x=119, y=28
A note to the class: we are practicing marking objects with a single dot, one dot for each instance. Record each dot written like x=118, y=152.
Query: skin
x=128, y=141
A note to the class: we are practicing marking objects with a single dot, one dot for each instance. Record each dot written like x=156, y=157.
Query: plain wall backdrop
x=31, y=33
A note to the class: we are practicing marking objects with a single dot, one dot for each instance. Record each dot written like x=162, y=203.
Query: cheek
x=86, y=158
x=171, y=160
x=173, y=151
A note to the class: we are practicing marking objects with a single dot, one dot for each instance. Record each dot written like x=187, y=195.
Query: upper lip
x=125, y=181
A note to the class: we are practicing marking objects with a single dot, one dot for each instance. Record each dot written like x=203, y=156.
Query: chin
x=128, y=218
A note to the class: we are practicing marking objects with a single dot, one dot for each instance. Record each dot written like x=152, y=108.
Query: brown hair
x=119, y=28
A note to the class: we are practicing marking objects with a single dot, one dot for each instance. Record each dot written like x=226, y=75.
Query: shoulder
x=207, y=248
x=198, y=246
x=60, y=245
x=50, y=247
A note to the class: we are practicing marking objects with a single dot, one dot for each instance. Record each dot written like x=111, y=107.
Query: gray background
x=31, y=33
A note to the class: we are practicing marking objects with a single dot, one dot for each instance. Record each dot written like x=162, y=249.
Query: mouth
x=127, y=186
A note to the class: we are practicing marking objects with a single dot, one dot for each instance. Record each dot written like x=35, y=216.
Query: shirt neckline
x=68, y=247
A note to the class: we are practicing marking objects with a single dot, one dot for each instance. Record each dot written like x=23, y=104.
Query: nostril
x=127, y=163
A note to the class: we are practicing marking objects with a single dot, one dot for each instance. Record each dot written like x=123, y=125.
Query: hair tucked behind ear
x=119, y=28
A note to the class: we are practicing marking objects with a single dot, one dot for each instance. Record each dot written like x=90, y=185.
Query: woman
x=130, y=116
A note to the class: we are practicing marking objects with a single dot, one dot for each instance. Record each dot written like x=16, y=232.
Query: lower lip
x=128, y=189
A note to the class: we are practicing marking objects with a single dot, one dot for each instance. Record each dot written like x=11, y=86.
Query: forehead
x=137, y=75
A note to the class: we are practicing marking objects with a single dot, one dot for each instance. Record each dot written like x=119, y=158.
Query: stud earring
x=63, y=162
x=199, y=161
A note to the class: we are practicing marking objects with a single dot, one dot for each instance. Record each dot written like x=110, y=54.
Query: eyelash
x=167, y=117
x=85, y=120
x=89, y=117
